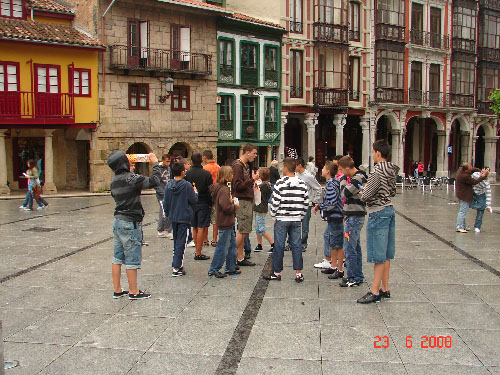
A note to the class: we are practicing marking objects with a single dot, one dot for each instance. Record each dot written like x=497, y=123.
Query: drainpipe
x=102, y=38
x=32, y=19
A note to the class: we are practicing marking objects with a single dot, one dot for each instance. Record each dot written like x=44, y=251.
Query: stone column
x=442, y=154
x=310, y=122
x=490, y=155
x=339, y=126
x=366, y=151
x=49, y=187
x=466, y=147
x=4, y=189
x=284, y=120
x=397, y=149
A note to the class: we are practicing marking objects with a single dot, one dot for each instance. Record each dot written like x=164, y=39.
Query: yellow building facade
x=48, y=95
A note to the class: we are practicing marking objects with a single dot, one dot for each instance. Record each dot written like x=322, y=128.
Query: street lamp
x=168, y=85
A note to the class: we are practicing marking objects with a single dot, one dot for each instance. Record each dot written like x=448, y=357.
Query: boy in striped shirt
x=482, y=199
x=290, y=202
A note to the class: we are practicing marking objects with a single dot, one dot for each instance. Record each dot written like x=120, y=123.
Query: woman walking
x=35, y=188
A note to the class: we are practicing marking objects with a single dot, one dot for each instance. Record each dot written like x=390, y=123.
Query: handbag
x=37, y=191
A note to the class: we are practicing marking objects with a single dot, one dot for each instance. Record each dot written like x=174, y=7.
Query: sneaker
x=369, y=298
x=477, y=230
x=161, y=234
x=179, y=272
x=248, y=255
x=304, y=248
x=22, y=207
x=27, y=209
x=217, y=274
x=245, y=263
x=270, y=251
x=347, y=283
x=273, y=276
x=191, y=244
x=120, y=294
x=140, y=295
x=235, y=272
x=329, y=271
x=299, y=278
x=258, y=248
x=201, y=257
x=383, y=294
x=461, y=230
x=170, y=236
x=40, y=208
x=323, y=264
x=337, y=275
x=468, y=228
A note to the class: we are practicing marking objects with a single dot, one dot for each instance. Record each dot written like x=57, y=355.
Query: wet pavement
x=59, y=317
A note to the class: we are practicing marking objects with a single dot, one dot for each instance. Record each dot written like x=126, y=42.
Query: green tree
x=495, y=98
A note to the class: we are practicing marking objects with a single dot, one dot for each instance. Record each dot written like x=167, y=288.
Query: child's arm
x=372, y=187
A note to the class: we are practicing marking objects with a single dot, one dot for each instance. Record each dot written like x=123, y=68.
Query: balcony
x=159, y=60
x=390, y=32
x=489, y=54
x=271, y=129
x=296, y=92
x=484, y=108
x=354, y=35
x=431, y=40
x=325, y=32
x=25, y=107
x=354, y=95
x=464, y=45
x=330, y=97
x=249, y=77
x=296, y=27
x=415, y=97
x=249, y=129
x=491, y=4
x=226, y=129
x=460, y=100
x=271, y=79
x=434, y=99
x=226, y=74
x=389, y=95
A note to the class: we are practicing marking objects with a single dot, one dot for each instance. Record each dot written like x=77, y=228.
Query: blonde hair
x=264, y=174
x=224, y=175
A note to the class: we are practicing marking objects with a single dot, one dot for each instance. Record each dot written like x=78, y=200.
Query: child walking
x=180, y=198
x=225, y=213
x=331, y=209
x=260, y=210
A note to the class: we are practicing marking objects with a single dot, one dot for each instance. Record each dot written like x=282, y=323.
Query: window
x=464, y=23
x=354, y=22
x=435, y=20
x=354, y=69
x=391, y=12
x=332, y=12
x=9, y=76
x=296, y=16
x=180, y=98
x=271, y=117
x=47, y=79
x=138, y=96
x=226, y=125
x=389, y=67
x=11, y=8
x=271, y=67
x=416, y=76
x=81, y=81
x=138, y=42
x=249, y=64
x=489, y=80
x=180, y=45
x=249, y=117
x=435, y=78
x=226, y=65
x=296, y=90
x=490, y=31
x=462, y=77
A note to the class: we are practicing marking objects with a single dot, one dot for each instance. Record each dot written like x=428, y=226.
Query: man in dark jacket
x=164, y=226
x=464, y=193
x=127, y=227
x=201, y=180
x=180, y=198
x=274, y=174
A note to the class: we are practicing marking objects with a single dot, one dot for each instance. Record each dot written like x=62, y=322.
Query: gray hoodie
x=380, y=187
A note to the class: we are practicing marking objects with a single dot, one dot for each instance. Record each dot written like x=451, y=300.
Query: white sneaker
x=461, y=230
x=477, y=230
x=170, y=236
x=22, y=207
x=323, y=264
x=27, y=209
x=161, y=234
x=40, y=208
x=191, y=244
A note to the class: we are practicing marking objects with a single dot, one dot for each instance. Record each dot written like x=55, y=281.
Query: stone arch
x=182, y=149
x=463, y=122
x=140, y=148
x=394, y=122
x=479, y=145
x=421, y=142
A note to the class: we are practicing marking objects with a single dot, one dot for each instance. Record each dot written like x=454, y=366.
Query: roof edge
x=48, y=43
x=222, y=11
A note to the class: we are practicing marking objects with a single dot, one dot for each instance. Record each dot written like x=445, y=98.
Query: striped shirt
x=380, y=187
x=332, y=203
x=353, y=205
x=290, y=199
x=482, y=188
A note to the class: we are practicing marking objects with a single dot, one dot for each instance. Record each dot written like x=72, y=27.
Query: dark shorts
x=201, y=217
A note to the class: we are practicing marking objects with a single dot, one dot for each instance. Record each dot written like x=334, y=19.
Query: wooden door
x=48, y=91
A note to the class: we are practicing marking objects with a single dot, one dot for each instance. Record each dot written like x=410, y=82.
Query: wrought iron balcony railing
x=354, y=95
x=296, y=92
x=326, y=32
x=330, y=97
x=415, y=97
x=160, y=60
x=492, y=4
x=484, y=108
x=26, y=107
x=464, y=45
x=390, y=32
x=296, y=27
x=270, y=129
x=460, y=100
x=427, y=39
x=389, y=95
x=226, y=130
x=249, y=76
x=354, y=35
x=271, y=79
x=489, y=54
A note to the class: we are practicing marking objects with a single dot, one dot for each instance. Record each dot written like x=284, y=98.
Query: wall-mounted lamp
x=167, y=87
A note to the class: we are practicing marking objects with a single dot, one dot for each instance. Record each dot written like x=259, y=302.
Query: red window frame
x=138, y=87
x=72, y=82
x=23, y=7
x=178, y=93
x=47, y=66
x=6, y=82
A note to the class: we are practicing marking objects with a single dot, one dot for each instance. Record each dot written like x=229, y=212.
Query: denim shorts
x=260, y=224
x=127, y=243
x=334, y=235
x=201, y=217
x=381, y=235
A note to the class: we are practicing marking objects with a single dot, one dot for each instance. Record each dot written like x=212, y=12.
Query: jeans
x=305, y=226
x=41, y=202
x=281, y=230
x=381, y=235
x=247, y=246
x=180, y=232
x=127, y=243
x=224, y=251
x=481, y=199
x=462, y=213
x=333, y=237
x=163, y=221
x=27, y=198
x=352, y=247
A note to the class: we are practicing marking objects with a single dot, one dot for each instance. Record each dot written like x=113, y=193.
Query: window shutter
x=144, y=39
x=185, y=43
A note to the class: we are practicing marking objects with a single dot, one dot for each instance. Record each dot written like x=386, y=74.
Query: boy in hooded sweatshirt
x=381, y=226
x=178, y=203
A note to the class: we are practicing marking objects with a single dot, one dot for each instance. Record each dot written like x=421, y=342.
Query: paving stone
x=401, y=314
x=288, y=311
x=251, y=366
x=362, y=368
x=175, y=364
x=445, y=370
x=484, y=343
x=32, y=357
